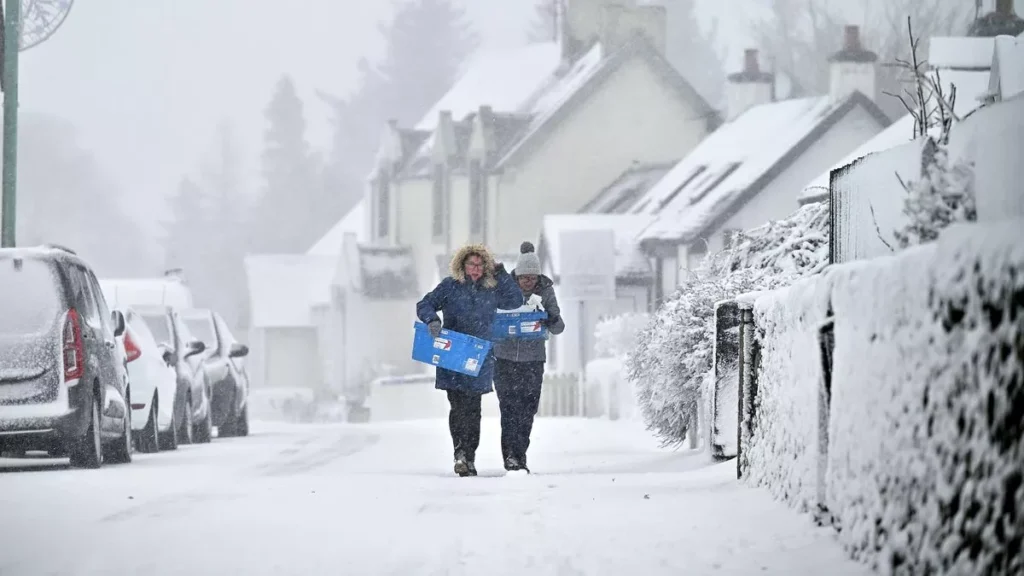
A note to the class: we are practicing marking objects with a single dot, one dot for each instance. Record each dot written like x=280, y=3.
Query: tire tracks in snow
x=316, y=453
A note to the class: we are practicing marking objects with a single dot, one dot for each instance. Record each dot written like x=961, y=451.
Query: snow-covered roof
x=387, y=272
x=1007, y=78
x=630, y=262
x=622, y=194
x=899, y=132
x=960, y=52
x=502, y=79
x=355, y=222
x=737, y=160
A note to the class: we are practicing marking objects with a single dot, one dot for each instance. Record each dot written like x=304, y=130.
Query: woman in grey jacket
x=519, y=364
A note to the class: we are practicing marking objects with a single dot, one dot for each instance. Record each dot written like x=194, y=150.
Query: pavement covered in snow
x=381, y=499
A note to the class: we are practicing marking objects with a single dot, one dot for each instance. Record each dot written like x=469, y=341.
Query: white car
x=154, y=385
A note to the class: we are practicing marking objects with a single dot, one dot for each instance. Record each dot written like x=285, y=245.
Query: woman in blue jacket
x=468, y=301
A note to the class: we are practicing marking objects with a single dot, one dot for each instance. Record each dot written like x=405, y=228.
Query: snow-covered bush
x=943, y=196
x=616, y=336
x=674, y=353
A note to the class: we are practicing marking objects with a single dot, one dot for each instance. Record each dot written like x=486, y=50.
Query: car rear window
x=29, y=296
x=202, y=328
x=158, y=325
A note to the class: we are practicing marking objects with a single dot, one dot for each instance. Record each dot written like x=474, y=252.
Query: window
x=101, y=305
x=84, y=299
x=689, y=180
x=714, y=183
x=160, y=328
x=440, y=201
x=383, y=185
x=477, y=200
x=29, y=298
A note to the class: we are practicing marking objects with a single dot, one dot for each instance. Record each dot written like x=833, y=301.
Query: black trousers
x=464, y=422
x=518, y=386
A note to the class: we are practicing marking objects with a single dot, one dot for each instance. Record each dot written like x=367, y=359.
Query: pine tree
x=692, y=51
x=185, y=234
x=287, y=218
x=546, y=20
x=427, y=43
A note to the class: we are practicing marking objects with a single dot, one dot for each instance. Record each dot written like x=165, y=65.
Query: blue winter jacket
x=469, y=307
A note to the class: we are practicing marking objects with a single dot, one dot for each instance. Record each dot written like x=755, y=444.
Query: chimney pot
x=851, y=39
x=750, y=61
x=1004, y=7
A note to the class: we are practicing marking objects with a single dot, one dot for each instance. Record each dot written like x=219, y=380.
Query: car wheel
x=149, y=439
x=121, y=449
x=169, y=439
x=185, y=432
x=88, y=450
x=242, y=424
x=204, y=429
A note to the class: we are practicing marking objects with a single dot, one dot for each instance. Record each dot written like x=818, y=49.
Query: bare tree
x=923, y=94
x=800, y=34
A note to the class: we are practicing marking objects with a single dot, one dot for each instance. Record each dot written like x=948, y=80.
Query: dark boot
x=463, y=466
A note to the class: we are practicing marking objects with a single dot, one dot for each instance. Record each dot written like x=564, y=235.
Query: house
x=754, y=168
x=569, y=351
x=534, y=131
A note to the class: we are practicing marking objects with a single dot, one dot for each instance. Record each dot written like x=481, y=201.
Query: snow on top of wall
x=282, y=287
x=502, y=79
x=546, y=103
x=355, y=222
x=1009, y=65
x=960, y=52
x=726, y=164
x=899, y=132
x=629, y=260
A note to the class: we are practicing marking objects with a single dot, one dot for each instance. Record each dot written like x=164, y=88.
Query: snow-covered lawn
x=381, y=499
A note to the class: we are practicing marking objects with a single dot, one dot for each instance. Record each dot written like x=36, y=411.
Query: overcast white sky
x=147, y=81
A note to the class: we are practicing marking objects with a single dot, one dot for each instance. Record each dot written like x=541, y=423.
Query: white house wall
x=459, y=203
x=634, y=116
x=780, y=198
x=378, y=333
x=415, y=228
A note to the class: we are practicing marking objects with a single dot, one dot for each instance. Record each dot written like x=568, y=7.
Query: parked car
x=225, y=371
x=182, y=351
x=154, y=387
x=63, y=387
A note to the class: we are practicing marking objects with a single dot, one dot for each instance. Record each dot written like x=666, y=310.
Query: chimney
x=853, y=68
x=444, y=138
x=1003, y=21
x=747, y=88
x=611, y=22
x=1004, y=7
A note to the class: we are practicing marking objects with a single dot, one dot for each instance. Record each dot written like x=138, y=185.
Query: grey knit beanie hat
x=528, y=263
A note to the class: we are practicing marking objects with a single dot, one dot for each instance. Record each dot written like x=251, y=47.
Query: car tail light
x=74, y=358
x=131, y=350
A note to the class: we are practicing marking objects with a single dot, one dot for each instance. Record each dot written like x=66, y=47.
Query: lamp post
x=22, y=29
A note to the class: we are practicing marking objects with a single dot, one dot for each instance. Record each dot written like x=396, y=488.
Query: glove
x=500, y=268
x=551, y=321
x=435, y=328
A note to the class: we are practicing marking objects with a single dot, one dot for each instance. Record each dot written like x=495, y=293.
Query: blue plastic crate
x=519, y=326
x=450, y=350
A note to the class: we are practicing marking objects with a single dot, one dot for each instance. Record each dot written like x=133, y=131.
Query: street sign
x=587, y=265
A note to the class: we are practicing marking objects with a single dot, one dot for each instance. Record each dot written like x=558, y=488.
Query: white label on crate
x=436, y=359
x=471, y=364
x=511, y=330
x=442, y=344
x=528, y=327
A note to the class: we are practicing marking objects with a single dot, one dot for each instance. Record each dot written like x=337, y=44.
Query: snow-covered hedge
x=674, y=353
x=925, y=456
x=616, y=336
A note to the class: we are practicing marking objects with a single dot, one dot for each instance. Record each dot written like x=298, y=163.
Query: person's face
x=474, y=267
x=527, y=282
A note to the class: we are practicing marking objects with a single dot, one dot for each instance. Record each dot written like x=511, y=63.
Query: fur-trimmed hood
x=457, y=266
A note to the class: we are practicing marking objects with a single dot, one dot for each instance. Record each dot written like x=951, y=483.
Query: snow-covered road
x=381, y=499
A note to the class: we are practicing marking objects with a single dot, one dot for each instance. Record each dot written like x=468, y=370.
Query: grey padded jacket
x=534, y=350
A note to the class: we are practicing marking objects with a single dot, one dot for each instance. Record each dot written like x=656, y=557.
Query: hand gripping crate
x=519, y=326
x=450, y=350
